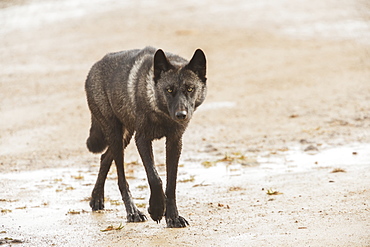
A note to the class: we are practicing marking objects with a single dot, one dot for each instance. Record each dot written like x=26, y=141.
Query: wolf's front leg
x=173, y=151
x=157, y=201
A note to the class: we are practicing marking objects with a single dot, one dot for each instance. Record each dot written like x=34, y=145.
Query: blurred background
x=277, y=69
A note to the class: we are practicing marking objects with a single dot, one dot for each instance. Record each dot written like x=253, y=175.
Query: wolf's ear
x=161, y=64
x=197, y=64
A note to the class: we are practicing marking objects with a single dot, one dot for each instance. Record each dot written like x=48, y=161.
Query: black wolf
x=152, y=94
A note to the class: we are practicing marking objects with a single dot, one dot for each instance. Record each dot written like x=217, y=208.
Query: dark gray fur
x=152, y=94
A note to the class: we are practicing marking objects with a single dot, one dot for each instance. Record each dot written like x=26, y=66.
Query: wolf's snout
x=181, y=115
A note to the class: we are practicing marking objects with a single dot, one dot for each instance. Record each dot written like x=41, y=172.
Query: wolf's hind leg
x=97, y=196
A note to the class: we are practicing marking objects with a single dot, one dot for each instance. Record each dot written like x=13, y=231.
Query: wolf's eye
x=190, y=89
x=169, y=90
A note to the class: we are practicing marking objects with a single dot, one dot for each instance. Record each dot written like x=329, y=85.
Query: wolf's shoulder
x=126, y=58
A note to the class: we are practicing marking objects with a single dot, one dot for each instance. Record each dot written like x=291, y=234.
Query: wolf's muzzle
x=181, y=115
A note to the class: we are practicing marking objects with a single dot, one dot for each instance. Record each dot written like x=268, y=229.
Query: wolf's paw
x=156, y=212
x=97, y=203
x=177, y=222
x=157, y=205
x=136, y=217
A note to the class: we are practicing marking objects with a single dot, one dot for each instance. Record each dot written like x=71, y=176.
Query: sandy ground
x=288, y=103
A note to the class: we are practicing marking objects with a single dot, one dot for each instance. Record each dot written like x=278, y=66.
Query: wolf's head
x=180, y=87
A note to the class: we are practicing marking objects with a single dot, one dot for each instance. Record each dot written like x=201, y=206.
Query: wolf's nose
x=181, y=115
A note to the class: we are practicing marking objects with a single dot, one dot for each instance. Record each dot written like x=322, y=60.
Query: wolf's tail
x=96, y=142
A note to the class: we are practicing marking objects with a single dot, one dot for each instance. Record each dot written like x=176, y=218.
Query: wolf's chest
x=157, y=126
